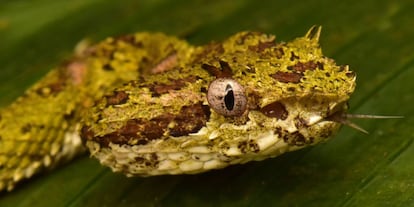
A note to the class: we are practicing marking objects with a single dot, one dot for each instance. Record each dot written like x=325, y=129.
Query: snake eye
x=227, y=97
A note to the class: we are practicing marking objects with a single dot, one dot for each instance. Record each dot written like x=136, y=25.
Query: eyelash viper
x=149, y=104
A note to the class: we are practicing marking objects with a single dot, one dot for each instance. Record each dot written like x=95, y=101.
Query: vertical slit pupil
x=229, y=98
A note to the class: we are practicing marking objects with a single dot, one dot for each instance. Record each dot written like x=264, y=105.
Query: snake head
x=246, y=98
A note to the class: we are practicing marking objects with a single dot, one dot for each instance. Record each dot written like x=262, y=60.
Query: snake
x=148, y=104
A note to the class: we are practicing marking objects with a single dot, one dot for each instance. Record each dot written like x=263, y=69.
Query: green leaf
x=374, y=37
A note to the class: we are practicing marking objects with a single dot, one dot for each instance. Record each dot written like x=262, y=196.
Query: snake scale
x=149, y=104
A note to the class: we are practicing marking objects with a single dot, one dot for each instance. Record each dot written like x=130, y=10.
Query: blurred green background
x=376, y=38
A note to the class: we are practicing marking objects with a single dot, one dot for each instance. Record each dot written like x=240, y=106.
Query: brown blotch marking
x=293, y=56
x=139, y=160
x=158, y=89
x=134, y=83
x=130, y=39
x=72, y=72
x=211, y=69
x=103, y=52
x=225, y=69
x=56, y=87
x=254, y=147
x=149, y=161
x=350, y=74
x=26, y=128
x=154, y=159
x=279, y=53
x=300, y=122
x=326, y=134
x=262, y=46
x=250, y=68
x=279, y=131
x=130, y=130
x=190, y=119
x=51, y=89
x=107, y=67
x=275, y=110
x=243, y=147
x=203, y=90
x=291, y=89
x=297, y=139
x=321, y=66
x=118, y=97
x=134, y=132
x=248, y=146
x=148, y=164
x=69, y=116
x=86, y=134
x=302, y=67
x=223, y=72
x=149, y=130
x=286, y=77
